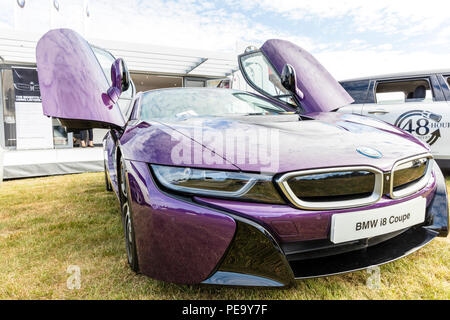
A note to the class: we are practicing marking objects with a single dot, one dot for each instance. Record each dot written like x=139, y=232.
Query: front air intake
x=410, y=175
x=332, y=188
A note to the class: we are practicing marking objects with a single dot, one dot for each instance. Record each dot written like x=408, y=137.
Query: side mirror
x=120, y=82
x=120, y=76
x=289, y=80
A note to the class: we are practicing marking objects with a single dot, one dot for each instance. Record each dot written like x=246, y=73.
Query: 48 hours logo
x=425, y=125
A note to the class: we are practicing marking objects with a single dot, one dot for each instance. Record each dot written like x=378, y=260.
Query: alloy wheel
x=128, y=232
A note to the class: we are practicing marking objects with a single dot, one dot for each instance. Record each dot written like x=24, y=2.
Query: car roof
x=400, y=75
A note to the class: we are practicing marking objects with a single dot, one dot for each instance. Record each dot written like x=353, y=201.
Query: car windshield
x=186, y=103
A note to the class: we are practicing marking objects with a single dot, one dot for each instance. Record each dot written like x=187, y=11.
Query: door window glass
x=134, y=110
x=260, y=73
x=106, y=60
x=448, y=81
x=414, y=90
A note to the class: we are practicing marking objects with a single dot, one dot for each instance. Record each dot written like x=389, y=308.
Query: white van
x=417, y=102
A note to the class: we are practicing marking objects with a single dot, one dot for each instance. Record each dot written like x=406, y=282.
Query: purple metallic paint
x=175, y=225
x=182, y=241
x=176, y=241
x=321, y=91
x=338, y=135
x=153, y=143
x=116, y=75
x=72, y=83
x=115, y=90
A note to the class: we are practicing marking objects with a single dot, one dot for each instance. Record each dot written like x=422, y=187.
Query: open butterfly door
x=73, y=86
x=312, y=87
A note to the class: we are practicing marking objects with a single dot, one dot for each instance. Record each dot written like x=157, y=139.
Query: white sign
x=34, y=130
x=356, y=225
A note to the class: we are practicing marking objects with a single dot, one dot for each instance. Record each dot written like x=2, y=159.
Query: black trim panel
x=384, y=252
x=253, y=252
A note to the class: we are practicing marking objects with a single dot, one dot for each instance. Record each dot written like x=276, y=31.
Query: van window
x=357, y=90
x=413, y=90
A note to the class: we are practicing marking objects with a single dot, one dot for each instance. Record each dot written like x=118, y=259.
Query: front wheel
x=108, y=186
x=130, y=240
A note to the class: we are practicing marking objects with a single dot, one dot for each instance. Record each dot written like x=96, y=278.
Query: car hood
x=272, y=144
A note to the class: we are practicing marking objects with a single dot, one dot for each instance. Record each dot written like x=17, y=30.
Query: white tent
x=20, y=47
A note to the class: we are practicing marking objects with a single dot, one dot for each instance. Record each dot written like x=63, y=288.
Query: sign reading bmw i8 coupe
x=221, y=186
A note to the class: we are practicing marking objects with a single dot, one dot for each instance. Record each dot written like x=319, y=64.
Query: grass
x=48, y=224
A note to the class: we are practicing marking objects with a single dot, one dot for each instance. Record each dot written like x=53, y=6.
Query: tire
x=123, y=187
x=108, y=186
x=127, y=219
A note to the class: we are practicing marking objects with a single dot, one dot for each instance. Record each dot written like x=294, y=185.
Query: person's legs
x=91, y=137
x=84, y=136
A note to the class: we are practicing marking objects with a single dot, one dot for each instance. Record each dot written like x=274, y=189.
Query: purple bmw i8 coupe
x=228, y=187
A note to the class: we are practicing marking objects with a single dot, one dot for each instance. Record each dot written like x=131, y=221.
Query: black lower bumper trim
x=384, y=252
x=253, y=259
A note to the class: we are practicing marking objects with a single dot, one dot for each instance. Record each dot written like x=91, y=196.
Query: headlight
x=221, y=184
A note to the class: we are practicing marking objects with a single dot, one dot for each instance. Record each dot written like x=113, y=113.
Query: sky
x=350, y=38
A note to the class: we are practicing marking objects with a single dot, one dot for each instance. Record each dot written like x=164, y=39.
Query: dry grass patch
x=48, y=224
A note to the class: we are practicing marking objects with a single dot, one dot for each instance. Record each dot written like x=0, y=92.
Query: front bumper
x=205, y=243
x=322, y=258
